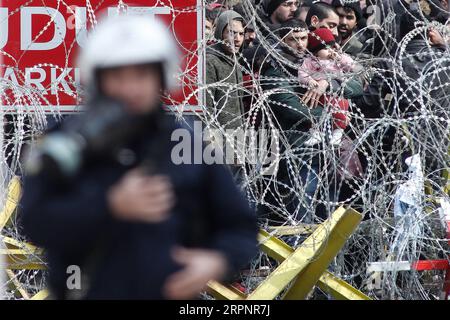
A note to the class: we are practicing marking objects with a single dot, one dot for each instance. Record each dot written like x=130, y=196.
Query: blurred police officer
x=137, y=225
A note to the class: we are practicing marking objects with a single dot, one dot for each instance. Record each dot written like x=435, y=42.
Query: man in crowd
x=323, y=15
x=396, y=94
x=295, y=108
x=250, y=36
x=280, y=11
x=223, y=98
x=271, y=13
x=294, y=118
x=350, y=15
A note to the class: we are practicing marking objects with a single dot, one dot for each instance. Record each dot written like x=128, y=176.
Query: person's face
x=326, y=54
x=208, y=29
x=297, y=41
x=138, y=87
x=347, y=22
x=249, y=37
x=285, y=11
x=331, y=23
x=233, y=35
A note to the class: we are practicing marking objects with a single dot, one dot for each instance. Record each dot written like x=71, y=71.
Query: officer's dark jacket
x=126, y=259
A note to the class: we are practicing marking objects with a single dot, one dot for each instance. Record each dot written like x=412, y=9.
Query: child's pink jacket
x=314, y=69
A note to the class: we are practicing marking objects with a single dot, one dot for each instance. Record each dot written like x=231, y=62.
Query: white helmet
x=129, y=40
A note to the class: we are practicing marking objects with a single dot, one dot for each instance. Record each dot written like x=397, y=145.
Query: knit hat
x=355, y=6
x=319, y=39
x=223, y=20
x=271, y=5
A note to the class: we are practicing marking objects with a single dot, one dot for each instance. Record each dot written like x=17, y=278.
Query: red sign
x=38, y=46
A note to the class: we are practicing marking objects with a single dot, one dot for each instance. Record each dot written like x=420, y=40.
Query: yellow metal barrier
x=305, y=267
x=11, y=201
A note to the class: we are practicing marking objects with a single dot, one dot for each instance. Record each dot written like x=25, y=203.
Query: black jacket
x=132, y=260
x=419, y=61
x=256, y=57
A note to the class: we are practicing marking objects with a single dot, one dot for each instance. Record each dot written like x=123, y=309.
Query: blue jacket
x=132, y=260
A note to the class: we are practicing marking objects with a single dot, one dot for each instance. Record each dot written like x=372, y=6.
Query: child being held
x=326, y=62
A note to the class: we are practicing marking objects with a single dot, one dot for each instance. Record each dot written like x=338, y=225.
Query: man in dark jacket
x=295, y=117
x=136, y=222
x=421, y=68
x=416, y=62
x=271, y=13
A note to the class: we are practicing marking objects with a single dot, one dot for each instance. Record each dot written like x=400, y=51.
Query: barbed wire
x=413, y=120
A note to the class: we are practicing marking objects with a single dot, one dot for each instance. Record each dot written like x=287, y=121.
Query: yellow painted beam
x=11, y=201
x=221, y=292
x=446, y=175
x=41, y=295
x=274, y=247
x=302, y=228
x=317, y=247
x=337, y=288
x=336, y=236
x=297, y=262
x=17, y=259
x=11, y=242
x=18, y=286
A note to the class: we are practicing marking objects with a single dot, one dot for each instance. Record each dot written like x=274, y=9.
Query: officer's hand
x=142, y=198
x=200, y=266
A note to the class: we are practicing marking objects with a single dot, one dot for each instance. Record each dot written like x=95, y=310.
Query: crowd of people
x=354, y=93
x=317, y=70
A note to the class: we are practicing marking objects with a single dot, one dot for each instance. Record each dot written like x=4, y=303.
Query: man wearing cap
x=279, y=11
x=271, y=13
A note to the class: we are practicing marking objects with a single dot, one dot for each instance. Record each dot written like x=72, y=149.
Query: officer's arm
x=62, y=219
x=234, y=223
